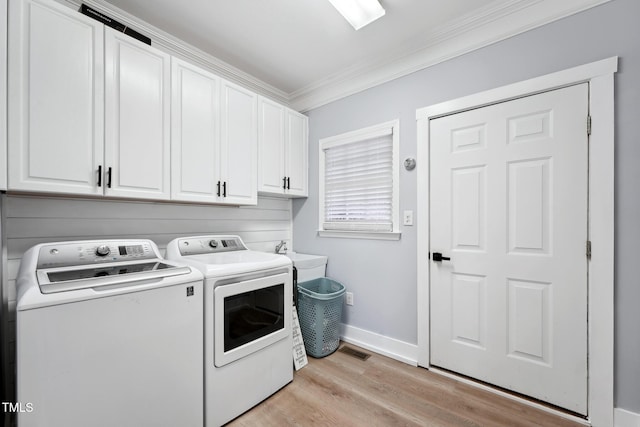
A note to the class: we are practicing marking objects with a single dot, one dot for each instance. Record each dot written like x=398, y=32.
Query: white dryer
x=108, y=334
x=247, y=328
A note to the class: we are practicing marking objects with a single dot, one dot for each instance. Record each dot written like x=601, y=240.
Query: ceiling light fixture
x=359, y=12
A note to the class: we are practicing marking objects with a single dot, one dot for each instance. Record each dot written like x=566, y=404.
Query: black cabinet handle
x=288, y=183
x=218, y=188
x=109, y=177
x=284, y=183
x=100, y=176
x=224, y=189
x=437, y=256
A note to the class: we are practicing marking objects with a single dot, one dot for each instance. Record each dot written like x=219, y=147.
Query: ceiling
x=299, y=47
x=291, y=44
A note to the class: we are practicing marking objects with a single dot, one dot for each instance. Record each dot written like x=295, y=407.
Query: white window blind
x=358, y=184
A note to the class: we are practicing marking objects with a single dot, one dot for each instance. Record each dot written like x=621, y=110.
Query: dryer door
x=250, y=315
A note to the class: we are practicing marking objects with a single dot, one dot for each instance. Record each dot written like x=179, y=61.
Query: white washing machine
x=247, y=328
x=108, y=334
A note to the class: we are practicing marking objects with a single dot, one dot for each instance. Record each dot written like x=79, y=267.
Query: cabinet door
x=297, y=154
x=271, y=144
x=55, y=99
x=137, y=93
x=195, y=133
x=239, y=145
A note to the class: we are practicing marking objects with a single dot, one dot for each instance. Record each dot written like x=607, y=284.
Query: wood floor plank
x=342, y=390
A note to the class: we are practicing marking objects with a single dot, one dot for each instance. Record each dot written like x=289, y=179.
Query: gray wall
x=382, y=275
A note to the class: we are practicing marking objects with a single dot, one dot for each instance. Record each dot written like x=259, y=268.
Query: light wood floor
x=341, y=390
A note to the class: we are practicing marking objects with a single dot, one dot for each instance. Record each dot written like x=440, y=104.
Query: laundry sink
x=309, y=266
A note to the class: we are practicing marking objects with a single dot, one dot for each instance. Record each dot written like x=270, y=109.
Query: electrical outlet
x=349, y=298
x=408, y=217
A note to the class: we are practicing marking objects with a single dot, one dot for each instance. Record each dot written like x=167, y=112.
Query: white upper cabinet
x=271, y=131
x=297, y=154
x=283, y=150
x=137, y=118
x=214, y=138
x=92, y=111
x=55, y=100
x=195, y=133
x=238, y=144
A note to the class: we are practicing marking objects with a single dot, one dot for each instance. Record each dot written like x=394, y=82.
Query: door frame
x=600, y=76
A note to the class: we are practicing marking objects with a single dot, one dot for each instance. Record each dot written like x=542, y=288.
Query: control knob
x=103, y=250
x=213, y=244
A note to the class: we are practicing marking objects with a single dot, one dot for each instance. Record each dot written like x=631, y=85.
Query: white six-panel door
x=508, y=202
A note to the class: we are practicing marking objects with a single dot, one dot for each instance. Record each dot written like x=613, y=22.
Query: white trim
x=372, y=235
x=601, y=222
x=571, y=76
x=392, y=348
x=511, y=396
x=375, y=131
x=624, y=418
x=482, y=28
x=601, y=234
x=422, y=232
x=496, y=22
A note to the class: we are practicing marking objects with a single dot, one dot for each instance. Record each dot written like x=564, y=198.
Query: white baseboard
x=624, y=418
x=395, y=349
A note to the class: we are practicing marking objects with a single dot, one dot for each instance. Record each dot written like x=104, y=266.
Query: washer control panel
x=210, y=245
x=94, y=252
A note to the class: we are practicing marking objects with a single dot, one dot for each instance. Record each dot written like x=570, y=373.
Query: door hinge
x=588, y=125
x=588, y=249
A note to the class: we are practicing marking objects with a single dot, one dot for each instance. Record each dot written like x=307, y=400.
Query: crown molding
x=498, y=21
x=174, y=46
x=487, y=26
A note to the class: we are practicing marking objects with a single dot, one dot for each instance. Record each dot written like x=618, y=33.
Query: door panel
x=509, y=207
x=468, y=311
x=468, y=197
x=529, y=206
x=529, y=320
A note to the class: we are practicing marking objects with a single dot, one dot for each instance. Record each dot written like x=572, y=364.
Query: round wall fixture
x=410, y=164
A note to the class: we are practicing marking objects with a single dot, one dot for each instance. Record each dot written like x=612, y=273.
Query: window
x=359, y=183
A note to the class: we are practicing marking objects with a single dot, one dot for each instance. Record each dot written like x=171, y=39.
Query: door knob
x=437, y=256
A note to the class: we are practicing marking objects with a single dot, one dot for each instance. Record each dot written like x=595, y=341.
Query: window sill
x=372, y=235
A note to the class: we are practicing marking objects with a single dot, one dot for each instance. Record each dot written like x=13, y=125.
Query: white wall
x=29, y=220
x=382, y=275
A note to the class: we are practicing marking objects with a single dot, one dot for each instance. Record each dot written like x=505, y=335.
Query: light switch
x=408, y=217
